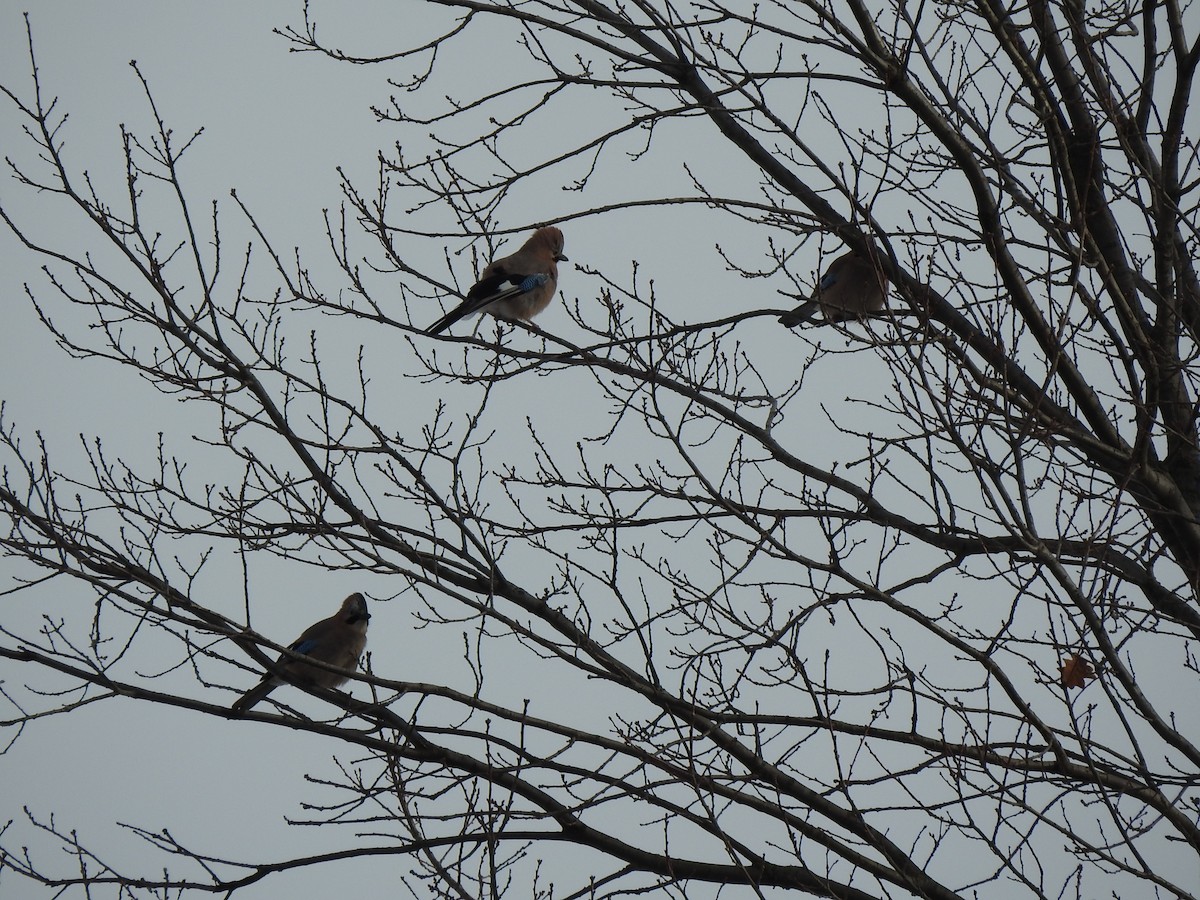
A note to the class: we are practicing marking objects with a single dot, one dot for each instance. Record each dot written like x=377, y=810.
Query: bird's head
x=354, y=609
x=552, y=239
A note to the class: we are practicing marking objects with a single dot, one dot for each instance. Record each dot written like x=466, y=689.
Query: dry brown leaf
x=1076, y=671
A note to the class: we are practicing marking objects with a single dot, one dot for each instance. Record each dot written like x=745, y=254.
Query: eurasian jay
x=338, y=641
x=514, y=287
x=850, y=288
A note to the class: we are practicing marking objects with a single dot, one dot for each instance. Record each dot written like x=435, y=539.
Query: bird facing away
x=518, y=286
x=850, y=288
x=338, y=641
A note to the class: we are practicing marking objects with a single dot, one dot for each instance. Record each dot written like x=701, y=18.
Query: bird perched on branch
x=851, y=287
x=338, y=641
x=518, y=286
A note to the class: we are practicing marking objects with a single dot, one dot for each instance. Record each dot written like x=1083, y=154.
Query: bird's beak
x=561, y=258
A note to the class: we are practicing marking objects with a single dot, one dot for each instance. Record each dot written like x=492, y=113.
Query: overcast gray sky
x=277, y=125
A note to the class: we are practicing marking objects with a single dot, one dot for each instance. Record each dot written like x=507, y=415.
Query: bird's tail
x=254, y=695
x=801, y=313
x=447, y=320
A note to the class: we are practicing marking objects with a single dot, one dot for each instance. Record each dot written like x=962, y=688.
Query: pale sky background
x=277, y=125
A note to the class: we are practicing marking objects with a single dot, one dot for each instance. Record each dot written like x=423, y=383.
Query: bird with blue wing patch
x=851, y=287
x=518, y=286
x=338, y=641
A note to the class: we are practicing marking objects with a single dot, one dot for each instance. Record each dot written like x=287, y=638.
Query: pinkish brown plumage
x=518, y=286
